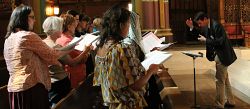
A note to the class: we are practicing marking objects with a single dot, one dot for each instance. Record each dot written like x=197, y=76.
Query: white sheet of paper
x=73, y=43
x=87, y=40
x=155, y=57
x=150, y=41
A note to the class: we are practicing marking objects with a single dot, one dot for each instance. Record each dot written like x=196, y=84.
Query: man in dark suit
x=218, y=49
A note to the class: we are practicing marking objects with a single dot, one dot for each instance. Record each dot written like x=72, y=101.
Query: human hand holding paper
x=87, y=48
x=88, y=39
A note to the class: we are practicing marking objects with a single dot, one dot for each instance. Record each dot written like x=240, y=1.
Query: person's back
x=121, y=85
x=222, y=46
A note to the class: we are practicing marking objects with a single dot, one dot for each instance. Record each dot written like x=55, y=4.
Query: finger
x=201, y=35
x=199, y=38
x=161, y=66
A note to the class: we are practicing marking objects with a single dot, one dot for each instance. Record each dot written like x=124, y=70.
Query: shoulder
x=216, y=24
x=63, y=40
x=28, y=36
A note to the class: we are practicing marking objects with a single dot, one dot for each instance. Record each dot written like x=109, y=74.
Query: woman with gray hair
x=61, y=85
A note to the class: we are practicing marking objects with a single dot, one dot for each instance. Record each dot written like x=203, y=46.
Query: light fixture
x=49, y=10
x=56, y=10
x=130, y=7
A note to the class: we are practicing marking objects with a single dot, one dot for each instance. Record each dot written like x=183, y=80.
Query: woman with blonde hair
x=77, y=73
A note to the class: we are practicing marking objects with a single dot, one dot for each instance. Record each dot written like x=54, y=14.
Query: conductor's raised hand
x=189, y=23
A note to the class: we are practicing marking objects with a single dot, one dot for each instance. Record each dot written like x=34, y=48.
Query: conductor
x=218, y=49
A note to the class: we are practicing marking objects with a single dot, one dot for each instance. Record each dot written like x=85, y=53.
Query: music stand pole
x=194, y=56
x=195, y=102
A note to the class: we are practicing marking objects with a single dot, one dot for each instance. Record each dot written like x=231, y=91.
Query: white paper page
x=155, y=52
x=164, y=46
x=150, y=41
x=73, y=43
x=87, y=40
x=163, y=39
x=155, y=58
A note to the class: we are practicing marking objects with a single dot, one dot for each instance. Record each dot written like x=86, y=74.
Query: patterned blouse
x=27, y=58
x=113, y=73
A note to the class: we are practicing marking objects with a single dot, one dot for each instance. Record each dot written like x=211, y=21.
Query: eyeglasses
x=32, y=17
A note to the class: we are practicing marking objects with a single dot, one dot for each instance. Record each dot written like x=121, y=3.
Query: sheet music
x=87, y=40
x=150, y=41
x=71, y=45
x=155, y=57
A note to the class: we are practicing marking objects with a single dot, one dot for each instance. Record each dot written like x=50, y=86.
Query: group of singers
x=41, y=74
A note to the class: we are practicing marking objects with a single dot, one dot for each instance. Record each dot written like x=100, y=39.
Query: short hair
x=97, y=22
x=52, y=24
x=72, y=12
x=19, y=19
x=67, y=20
x=83, y=17
x=200, y=16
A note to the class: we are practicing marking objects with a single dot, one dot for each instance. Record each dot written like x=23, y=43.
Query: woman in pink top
x=77, y=73
x=27, y=58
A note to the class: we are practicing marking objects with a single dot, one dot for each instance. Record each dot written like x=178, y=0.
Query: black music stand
x=194, y=56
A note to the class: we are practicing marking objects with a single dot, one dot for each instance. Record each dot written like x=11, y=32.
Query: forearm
x=75, y=61
x=63, y=53
x=80, y=58
x=142, y=81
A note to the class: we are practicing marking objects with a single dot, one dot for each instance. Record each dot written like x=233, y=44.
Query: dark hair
x=19, y=19
x=112, y=19
x=72, y=12
x=200, y=16
x=83, y=17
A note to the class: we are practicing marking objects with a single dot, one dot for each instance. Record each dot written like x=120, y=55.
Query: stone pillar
x=137, y=7
x=148, y=14
x=38, y=7
x=154, y=16
x=164, y=30
x=221, y=11
x=162, y=13
x=167, y=32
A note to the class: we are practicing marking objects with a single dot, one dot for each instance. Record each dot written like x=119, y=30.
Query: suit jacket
x=217, y=43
